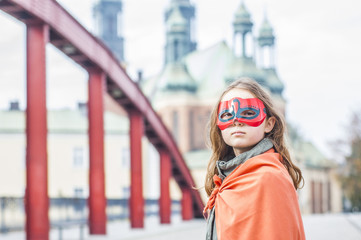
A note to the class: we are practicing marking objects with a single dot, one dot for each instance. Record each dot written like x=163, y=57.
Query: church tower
x=176, y=37
x=180, y=38
x=243, y=64
x=242, y=26
x=108, y=21
x=174, y=95
x=266, y=44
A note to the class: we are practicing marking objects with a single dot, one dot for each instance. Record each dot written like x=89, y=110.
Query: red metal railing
x=48, y=22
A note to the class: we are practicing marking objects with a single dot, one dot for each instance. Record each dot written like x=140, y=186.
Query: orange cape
x=257, y=201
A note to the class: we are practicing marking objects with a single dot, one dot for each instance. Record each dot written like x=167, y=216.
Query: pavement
x=333, y=226
x=120, y=230
x=317, y=227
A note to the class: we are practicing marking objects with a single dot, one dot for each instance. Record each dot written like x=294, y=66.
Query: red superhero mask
x=250, y=111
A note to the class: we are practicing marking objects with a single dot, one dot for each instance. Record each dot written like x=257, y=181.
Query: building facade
x=183, y=93
x=68, y=154
x=188, y=86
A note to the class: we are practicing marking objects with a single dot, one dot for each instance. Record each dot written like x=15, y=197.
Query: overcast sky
x=317, y=55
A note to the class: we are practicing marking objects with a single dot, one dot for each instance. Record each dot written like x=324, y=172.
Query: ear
x=270, y=123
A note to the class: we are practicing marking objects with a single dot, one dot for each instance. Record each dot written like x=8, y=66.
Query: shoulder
x=269, y=168
x=262, y=170
x=269, y=161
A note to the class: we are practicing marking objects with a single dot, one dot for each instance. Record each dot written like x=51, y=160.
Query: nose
x=237, y=123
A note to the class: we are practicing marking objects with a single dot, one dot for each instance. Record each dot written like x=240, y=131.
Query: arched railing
x=48, y=22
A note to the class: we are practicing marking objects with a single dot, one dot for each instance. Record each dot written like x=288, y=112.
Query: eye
x=226, y=115
x=248, y=113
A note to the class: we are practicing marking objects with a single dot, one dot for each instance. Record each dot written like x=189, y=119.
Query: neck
x=238, y=151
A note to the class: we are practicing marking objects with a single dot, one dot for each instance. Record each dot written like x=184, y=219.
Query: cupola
x=242, y=20
x=266, y=37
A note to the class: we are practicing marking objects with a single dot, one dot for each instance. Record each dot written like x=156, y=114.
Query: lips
x=238, y=133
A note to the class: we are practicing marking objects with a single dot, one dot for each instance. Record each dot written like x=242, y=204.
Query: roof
x=244, y=67
x=311, y=156
x=242, y=16
x=175, y=75
x=273, y=81
x=265, y=36
x=176, y=22
x=207, y=68
x=211, y=70
x=242, y=20
x=178, y=3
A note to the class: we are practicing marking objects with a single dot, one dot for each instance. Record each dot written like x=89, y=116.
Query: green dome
x=273, y=81
x=242, y=21
x=175, y=77
x=266, y=37
x=175, y=3
x=244, y=67
x=176, y=22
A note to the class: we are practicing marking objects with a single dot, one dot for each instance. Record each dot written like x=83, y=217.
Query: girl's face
x=241, y=136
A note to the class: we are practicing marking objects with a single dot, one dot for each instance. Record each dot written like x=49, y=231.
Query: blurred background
x=182, y=54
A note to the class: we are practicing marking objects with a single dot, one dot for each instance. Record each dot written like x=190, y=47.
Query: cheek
x=255, y=131
x=258, y=133
x=225, y=135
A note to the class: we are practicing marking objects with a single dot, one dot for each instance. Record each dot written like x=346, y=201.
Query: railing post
x=36, y=196
x=165, y=200
x=97, y=200
x=136, y=187
x=187, y=208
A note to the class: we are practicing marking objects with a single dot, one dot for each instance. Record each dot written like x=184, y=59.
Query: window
x=23, y=163
x=125, y=158
x=78, y=157
x=192, y=135
x=175, y=125
x=119, y=24
x=78, y=192
x=125, y=192
x=175, y=49
x=110, y=21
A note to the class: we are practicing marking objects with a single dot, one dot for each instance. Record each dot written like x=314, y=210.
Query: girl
x=251, y=180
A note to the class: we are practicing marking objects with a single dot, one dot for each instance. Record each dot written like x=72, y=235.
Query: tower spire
x=242, y=25
x=187, y=11
x=108, y=20
x=176, y=46
x=266, y=41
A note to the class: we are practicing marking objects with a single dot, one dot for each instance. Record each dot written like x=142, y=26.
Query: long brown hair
x=220, y=149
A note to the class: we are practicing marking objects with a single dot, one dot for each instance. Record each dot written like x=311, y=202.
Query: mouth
x=238, y=133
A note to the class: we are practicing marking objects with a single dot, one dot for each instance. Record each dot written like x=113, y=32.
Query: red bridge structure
x=47, y=22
